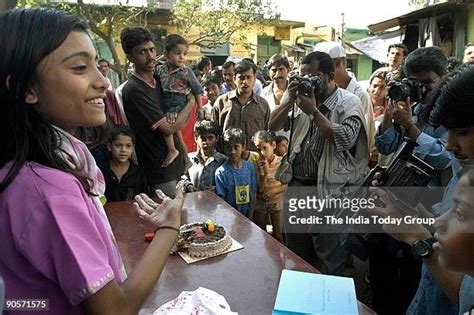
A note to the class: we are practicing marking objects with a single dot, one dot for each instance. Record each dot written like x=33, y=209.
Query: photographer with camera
x=441, y=291
x=328, y=148
x=348, y=83
x=407, y=112
x=394, y=277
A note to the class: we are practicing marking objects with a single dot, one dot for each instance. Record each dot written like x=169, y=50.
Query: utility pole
x=343, y=24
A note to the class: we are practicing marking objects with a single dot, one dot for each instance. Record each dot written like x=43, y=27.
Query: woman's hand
x=166, y=212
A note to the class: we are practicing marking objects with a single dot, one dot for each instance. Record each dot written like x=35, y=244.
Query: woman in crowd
x=56, y=241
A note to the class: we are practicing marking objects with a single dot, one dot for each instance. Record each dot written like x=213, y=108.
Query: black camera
x=308, y=83
x=400, y=91
x=405, y=170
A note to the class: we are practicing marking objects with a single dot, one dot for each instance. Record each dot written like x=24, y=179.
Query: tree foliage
x=105, y=22
x=420, y=4
x=219, y=22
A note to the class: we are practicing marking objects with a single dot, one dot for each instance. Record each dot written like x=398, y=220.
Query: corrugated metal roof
x=432, y=10
x=376, y=46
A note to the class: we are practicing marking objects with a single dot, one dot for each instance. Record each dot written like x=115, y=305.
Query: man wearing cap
x=348, y=83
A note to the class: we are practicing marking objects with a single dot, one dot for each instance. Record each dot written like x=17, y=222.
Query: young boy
x=281, y=145
x=211, y=84
x=200, y=176
x=236, y=180
x=177, y=81
x=123, y=179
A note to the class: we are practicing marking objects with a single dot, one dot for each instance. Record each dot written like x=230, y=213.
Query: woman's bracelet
x=167, y=227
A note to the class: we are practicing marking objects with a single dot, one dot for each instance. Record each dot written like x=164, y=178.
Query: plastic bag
x=202, y=301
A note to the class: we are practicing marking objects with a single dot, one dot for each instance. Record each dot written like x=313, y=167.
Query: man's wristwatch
x=314, y=114
x=423, y=248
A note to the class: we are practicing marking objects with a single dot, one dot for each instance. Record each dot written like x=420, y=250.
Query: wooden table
x=247, y=278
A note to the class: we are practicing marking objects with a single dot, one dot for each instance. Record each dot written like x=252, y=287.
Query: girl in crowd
x=270, y=191
x=56, y=241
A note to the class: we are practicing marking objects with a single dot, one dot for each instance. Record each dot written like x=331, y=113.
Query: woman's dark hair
x=27, y=37
x=381, y=74
x=453, y=101
x=264, y=135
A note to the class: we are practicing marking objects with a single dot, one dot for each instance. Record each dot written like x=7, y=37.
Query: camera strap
x=292, y=121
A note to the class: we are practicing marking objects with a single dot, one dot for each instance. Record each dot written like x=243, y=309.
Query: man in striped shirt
x=329, y=149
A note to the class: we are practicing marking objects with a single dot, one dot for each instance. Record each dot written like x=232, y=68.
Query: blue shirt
x=466, y=294
x=237, y=186
x=430, y=147
x=430, y=298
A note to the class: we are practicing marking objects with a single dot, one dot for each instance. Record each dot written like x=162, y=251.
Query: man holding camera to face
x=407, y=114
x=328, y=148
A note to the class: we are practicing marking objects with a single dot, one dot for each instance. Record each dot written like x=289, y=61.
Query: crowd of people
x=234, y=130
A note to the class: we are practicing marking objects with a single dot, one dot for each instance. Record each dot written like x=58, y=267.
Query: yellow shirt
x=253, y=157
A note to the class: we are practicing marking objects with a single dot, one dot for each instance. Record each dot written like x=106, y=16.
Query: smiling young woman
x=55, y=237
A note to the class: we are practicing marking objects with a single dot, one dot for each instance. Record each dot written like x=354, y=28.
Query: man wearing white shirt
x=279, y=67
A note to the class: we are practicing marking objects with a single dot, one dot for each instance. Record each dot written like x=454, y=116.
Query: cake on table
x=202, y=239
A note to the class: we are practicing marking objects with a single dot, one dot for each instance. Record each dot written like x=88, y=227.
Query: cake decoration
x=202, y=239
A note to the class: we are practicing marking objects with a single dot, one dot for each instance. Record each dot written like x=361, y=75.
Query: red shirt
x=188, y=130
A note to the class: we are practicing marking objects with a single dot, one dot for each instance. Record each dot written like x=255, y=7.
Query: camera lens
x=305, y=87
x=399, y=92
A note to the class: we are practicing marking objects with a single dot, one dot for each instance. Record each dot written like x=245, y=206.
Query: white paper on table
x=201, y=301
